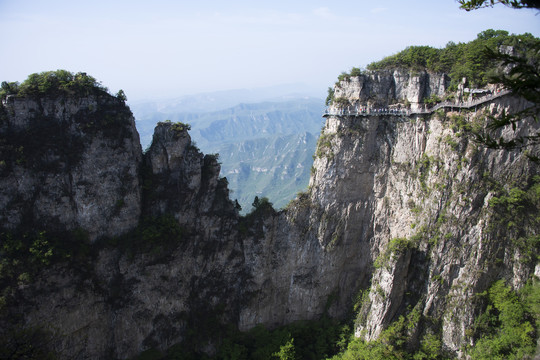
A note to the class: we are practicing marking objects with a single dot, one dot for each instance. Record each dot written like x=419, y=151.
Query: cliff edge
x=69, y=163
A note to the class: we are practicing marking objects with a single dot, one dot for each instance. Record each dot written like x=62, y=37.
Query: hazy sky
x=171, y=48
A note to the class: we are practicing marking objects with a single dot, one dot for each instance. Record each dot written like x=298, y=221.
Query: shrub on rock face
x=342, y=102
x=177, y=126
x=261, y=205
x=506, y=330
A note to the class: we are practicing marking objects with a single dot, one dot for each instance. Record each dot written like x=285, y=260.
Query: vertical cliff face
x=384, y=88
x=69, y=163
x=182, y=181
x=398, y=207
x=177, y=268
x=416, y=191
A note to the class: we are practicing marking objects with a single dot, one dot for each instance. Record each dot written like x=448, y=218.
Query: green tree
x=516, y=4
x=505, y=330
x=330, y=96
x=120, y=95
x=57, y=82
x=256, y=202
x=286, y=352
x=522, y=78
x=356, y=71
x=237, y=205
x=8, y=88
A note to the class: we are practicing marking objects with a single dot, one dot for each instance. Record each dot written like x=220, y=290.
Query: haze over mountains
x=265, y=137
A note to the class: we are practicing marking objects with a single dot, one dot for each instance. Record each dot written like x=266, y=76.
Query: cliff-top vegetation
x=52, y=83
x=472, y=60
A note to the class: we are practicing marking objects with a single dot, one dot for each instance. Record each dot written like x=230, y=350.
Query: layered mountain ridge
x=265, y=148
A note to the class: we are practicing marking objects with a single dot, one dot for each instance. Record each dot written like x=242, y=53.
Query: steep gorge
x=398, y=208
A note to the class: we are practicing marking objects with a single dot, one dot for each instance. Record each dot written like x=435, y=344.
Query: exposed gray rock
x=397, y=206
x=424, y=181
x=69, y=163
x=384, y=88
x=184, y=182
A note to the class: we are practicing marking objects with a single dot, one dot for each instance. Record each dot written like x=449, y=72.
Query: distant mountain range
x=219, y=100
x=265, y=146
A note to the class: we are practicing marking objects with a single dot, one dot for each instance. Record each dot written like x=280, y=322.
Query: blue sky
x=165, y=48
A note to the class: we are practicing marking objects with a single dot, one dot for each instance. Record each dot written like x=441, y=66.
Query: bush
x=516, y=209
x=330, y=96
x=432, y=100
x=394, y=343
x=345, y=76
x=301, y=340
x=395, y=248
x=8, y=88
x=60, y=81
x=121, y=95
x=342, y=102
x=23, y=255
x=506, y=330
x=262, y=204
x=180, y=126
x=154, y=235
x=356, y=71
x=470, y=60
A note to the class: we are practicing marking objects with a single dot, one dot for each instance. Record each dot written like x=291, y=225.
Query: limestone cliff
x=182, y=181
x=69, y=163
x=416, y=192
x=175, y=266
x=398, y=207
x=384, y=88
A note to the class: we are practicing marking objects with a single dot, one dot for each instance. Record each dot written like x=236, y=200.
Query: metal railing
x=367, y=111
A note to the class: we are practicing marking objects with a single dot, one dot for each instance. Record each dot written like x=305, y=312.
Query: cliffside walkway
x=366, y=111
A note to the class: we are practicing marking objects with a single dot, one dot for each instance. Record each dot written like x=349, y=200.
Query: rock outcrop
x=384, y=88
x=184, y=182
x=417, y=191
x=69, y=163
x=398, y=207
x=175, y=265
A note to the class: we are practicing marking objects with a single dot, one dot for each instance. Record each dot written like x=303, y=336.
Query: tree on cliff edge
x=516, y=4
x=522, y=78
